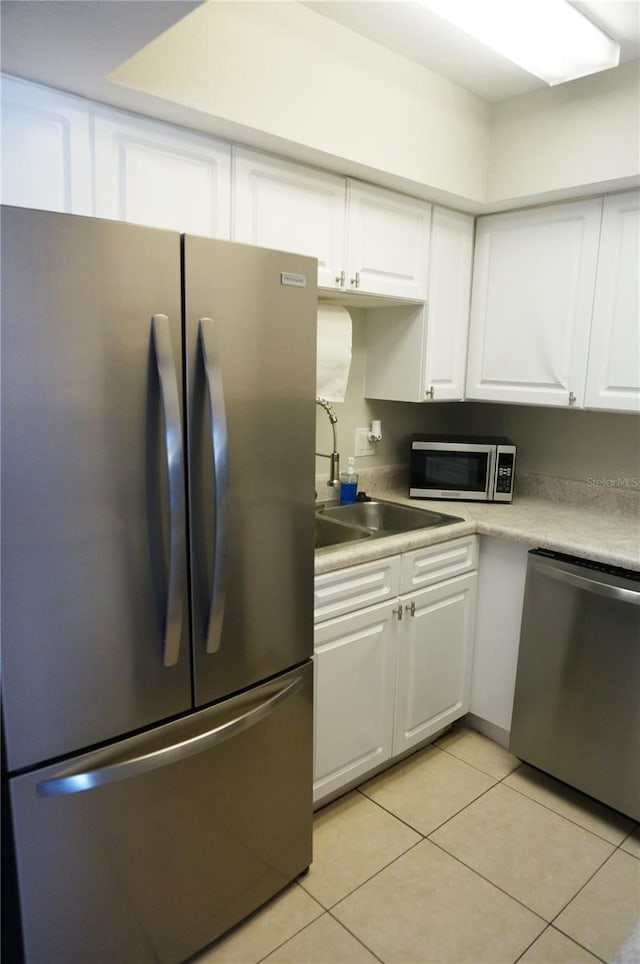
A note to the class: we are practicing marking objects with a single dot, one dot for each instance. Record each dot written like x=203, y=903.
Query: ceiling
x=74, y=44
x=411, y=30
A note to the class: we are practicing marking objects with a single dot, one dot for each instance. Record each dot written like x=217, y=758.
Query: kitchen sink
x=383, y=518
x=332, y=532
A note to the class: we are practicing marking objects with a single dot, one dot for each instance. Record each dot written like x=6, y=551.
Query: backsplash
x=619, y=495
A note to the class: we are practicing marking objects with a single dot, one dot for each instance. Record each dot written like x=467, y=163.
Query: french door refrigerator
x=158, y=418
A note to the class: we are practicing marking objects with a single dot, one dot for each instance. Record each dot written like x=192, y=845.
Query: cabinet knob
x=411, y=609
x=355, y=282
x=572, y=398
x=340, y=279
x=430, y=392
x=397, y=612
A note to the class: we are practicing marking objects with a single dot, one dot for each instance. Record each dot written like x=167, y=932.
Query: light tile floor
x=457, y=855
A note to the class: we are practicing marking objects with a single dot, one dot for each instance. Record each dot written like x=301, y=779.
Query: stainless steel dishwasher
x=576, y=712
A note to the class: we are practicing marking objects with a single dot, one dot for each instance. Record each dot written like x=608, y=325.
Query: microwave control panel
x=504, y=472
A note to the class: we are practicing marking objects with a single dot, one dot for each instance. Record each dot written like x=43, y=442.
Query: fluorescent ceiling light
x=548, y=38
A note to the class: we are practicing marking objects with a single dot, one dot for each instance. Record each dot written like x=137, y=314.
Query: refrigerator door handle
x=143, y=755
x=163, y=350
x=208, y=338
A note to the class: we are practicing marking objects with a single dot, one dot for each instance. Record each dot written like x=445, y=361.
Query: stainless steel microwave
x=468, y=468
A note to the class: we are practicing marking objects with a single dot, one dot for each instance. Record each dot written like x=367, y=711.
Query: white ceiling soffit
x=75, y=44
x=411, y=30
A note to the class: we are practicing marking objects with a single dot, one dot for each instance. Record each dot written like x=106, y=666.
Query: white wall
x=283, y=69
x=582, y=133
x=567, y=443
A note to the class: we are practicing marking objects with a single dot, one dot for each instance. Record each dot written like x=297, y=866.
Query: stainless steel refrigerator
x=158, y=419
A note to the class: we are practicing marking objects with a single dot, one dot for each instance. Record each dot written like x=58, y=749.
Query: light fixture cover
x=548, y=38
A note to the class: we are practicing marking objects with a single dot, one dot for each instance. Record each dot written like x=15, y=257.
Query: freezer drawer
x=153, y=847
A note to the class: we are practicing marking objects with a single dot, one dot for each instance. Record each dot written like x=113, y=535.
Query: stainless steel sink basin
x=383, y=518
x=331, y=532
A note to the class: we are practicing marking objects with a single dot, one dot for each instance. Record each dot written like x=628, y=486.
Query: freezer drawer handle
x=104, y=767
x=163, y=349
x=590, y=585
x=209, y=347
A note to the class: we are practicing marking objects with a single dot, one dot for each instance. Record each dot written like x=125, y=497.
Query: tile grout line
x=472, y=869
x=323, y=911
x=569, y=819
x=354, y=935
x=580, y=889
x=551, y=927
x=378, y=871
x=546, y=806
x=492, y=883
x=497, y=780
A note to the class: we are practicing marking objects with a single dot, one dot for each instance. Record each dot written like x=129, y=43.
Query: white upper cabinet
x=162, y=176
x=418, y=353
x=447, y=323
x=290, y=207
x=613, y=374
x=387, y=250
x=532, y=298
x=368, y=241
x=46, y=149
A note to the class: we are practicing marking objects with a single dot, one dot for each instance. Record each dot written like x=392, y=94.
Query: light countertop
x=551, y=514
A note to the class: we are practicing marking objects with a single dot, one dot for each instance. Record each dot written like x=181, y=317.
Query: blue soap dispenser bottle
x=348, y=483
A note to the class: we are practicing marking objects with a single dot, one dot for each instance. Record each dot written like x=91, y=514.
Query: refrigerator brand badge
x=293, y=280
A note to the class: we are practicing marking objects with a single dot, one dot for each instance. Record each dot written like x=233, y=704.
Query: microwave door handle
x=491, y=473
x=209, y=346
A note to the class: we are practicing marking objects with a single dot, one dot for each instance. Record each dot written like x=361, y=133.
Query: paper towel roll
x=334, y=352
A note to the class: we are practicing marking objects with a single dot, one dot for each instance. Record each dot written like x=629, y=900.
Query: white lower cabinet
x=434, y=660
x=388, y=676
x=355, y=665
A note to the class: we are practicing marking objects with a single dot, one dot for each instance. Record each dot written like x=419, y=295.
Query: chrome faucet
x=334, y=457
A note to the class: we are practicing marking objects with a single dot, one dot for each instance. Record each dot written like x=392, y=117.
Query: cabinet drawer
x=345, y=590
x=423, y=567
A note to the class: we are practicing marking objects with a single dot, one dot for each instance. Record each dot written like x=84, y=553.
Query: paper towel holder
x=375, y=433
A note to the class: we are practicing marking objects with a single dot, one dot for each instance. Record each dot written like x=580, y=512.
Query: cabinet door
x=418, y=353
x=387, y=242
x=434, y=659
x=290, y=207
x=448, y=305
x=46, y=149
x=613, y=375
x=162, y=176
x=534, y=277
x=355, y=659
x=394, y=366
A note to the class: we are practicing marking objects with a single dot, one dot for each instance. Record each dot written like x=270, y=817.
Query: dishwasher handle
x=619, y=593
